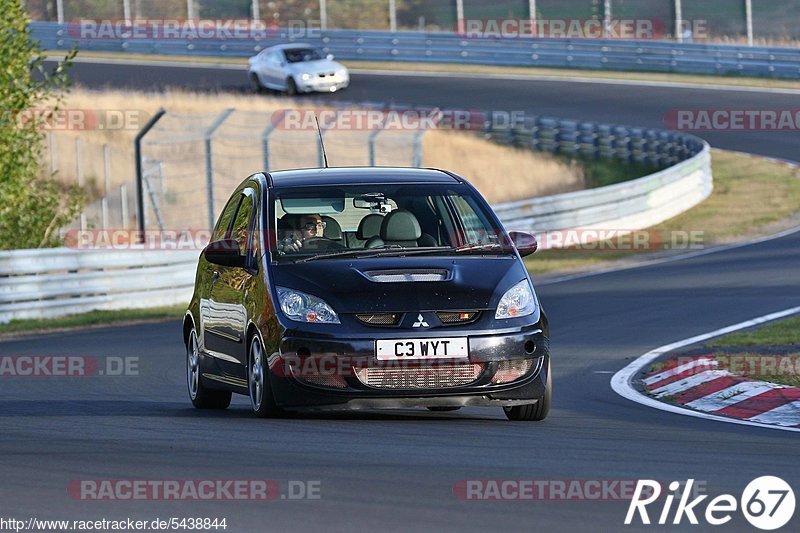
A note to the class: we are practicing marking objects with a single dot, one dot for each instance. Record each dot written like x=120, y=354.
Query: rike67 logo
x=767, y=502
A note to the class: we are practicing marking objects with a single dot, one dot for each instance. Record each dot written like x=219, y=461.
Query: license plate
x=406, y=349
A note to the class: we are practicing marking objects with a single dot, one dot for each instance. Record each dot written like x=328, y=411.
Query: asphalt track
x=396, y=471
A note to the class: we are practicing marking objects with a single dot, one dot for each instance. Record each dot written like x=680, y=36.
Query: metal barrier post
x=209, y=170
x=137, y=143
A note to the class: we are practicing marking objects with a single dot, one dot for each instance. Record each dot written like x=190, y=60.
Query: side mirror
x=225, y=252
x=525, y=243
x=329, y=57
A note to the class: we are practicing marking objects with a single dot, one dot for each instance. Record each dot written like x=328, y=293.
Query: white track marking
x=785, y=415
x=730, y=396
x=622, y=380
x=661, y=376
x=689, y=382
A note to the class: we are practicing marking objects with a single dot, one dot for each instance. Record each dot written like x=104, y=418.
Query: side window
x=474, y=227
x=224, y=221
x=241, y=224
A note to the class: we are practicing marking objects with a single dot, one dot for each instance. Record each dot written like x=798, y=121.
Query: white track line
x=730, y=396
x=622, y=380
x=661, y=376
x=785, y=415
x=689, y=382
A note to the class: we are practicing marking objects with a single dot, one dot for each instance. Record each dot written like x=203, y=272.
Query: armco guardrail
x=60, y=281
x=630, y=205
x=443, y=47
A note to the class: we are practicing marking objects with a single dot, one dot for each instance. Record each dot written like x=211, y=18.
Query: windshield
x=378, y=220
x=298, y=55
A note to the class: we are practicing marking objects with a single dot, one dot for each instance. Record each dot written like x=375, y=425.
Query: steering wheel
x=321, y=243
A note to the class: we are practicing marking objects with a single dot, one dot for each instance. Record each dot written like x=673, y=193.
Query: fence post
x=53, y=154
x=209, y=135
x=126, y=10
x=123, y=200
x=190, y=14
x=323, y=15
x=106, y=180
x=137, y=144
x=416, y=160
x=606, y=18
x=748, y=8
x=79, y=176
x=678, y=21
x=371, y=142
x=265, y=143
x=256, y=10
x=393, y=15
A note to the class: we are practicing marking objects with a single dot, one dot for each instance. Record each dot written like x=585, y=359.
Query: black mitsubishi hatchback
x=365, y=288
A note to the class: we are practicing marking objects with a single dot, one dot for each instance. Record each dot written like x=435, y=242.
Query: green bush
x=32, y=205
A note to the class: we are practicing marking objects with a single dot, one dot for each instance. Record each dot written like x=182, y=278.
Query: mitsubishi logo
x=420, y=323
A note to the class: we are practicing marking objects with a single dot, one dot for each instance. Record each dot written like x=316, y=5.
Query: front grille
x=380, y=319
x=457, y=317
x=323, y=380
x=422, y=377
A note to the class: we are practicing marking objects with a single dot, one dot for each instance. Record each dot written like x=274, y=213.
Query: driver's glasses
x=314, y=225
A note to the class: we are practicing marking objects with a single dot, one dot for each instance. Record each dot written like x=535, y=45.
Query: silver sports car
x=296, y=68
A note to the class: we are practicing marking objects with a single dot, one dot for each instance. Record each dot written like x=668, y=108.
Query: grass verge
x=780, y=333
x=92, y=318
x=752, y=197
x=533, y=72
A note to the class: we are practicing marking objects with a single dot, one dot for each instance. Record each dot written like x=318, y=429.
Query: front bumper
x=295, y=392
x=322, y=86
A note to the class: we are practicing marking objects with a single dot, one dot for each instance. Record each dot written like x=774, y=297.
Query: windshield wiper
x=474, y=247
x=340, y=253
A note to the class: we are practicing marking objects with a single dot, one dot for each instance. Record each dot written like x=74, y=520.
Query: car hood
x=322, y=66
x=474, y=283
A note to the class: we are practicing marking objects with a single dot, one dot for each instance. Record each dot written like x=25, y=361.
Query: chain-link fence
x=191, y=163
x=756, y=21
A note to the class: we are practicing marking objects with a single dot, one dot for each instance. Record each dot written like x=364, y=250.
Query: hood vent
x=405, y=276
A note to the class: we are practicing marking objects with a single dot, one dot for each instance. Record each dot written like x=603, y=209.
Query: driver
x=308, y=227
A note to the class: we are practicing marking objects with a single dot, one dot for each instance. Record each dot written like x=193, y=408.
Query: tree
x=32, y=205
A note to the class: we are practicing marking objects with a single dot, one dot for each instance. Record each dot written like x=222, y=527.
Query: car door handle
x=215, y=277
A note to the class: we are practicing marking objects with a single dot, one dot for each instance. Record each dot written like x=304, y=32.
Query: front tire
x=201, y=396
x=534, y=412
x=261, y=399
x=291, y=87
x=255, y=84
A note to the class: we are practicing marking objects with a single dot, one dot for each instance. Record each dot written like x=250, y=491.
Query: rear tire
x=201, y=396
x=261, y=399
x=537, y=411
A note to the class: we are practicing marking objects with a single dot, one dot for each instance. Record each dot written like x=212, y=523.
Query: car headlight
x=305, y=76
x=518, y=301
x=302, y=307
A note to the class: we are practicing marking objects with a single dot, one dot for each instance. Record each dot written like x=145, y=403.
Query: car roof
x=358, y=175
x=290, y=46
